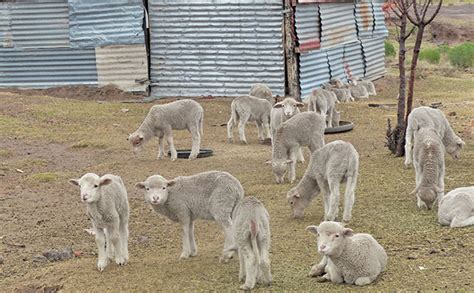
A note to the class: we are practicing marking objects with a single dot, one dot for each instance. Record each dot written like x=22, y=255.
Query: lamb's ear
x=105, y=181
x=300, y=105
x=140, y=185
x=278, y=105
x=312, y=229
x=171, y=182
x=74, y=182
x=268, y=162
x=348, y=232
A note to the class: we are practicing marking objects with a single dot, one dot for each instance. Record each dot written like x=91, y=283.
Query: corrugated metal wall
x=42, y=43
x=308, y=27
x=338, y=24
x=315, y=70
x=208, y=47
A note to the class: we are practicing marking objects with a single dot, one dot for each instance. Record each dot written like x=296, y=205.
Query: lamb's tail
x=253, y=240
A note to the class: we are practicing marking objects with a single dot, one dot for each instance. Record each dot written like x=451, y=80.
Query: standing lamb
x=329, y=166
x=163, y=119
x=433, y=118
x=323, y=102
x=304, y=129
x=251, y=224
x=249, y=108
x=209, y=195
x=456, y=208
x=353, y=258
x=107, y=207
x=428, y=156
x=262, y=91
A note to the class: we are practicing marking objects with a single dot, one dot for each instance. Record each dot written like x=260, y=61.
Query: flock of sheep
x=216, y=195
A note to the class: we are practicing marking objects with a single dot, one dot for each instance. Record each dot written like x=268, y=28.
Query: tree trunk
x=414, y=62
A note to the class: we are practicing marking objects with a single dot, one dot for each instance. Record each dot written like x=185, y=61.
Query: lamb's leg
x=109, y=247
x=349, y=198
x=242, y=273
x=251, y=268
x=300, y=155
x=329, y=117
x=408, y=146
x=333, y=274
x=362, y=281
x=441, y=184
x=319, y=269
x=334, y=199
x=100, y=241
x=260, y=131
x=114, y=236
x=124, y=238
x=196, y=138
x=192, y=241
x=243, y=120
x=169, y=139
x=293, y=158
x=228, y=252
x=161, y=149
x=323, y=115
x=265, y=270
x=230, y=125
x=186, y=224
x=326, y=195
x=460, y=221
x=266, y=126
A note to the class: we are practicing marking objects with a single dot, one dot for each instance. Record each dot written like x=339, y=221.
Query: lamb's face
x=156, y=189
x=296, y=203
x=455, y=149
x=331, y=237
x=290, y=107
x=428, y=195
x=90, y=185
x=279, y=169
x=136, y=140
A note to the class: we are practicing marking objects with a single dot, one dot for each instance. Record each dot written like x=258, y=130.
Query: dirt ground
x=44, y=141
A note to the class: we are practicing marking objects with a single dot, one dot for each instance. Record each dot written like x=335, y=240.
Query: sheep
x=262, y=91
x=353, y=258
x=336, y=118
x=428, y=156
x=163, y=119
x=251, y=226
x=283, y=111
x=456, y=208
x=209, y=195
x=358, y=91
x=343, y=94
x=329, y=166
x=249, y=108
x=369, y=85
x=107, y=207
x=323, y=102
x=304, y=129
x=434, y=118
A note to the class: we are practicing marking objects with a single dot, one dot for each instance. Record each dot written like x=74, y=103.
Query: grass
x=462, y=55
x=430, y=55
x=44, y=177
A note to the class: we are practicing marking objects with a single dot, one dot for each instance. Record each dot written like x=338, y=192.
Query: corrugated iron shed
x=308, y=27
x=313, y=70
x=374, y=53
x=338, y=24
x=208, y=47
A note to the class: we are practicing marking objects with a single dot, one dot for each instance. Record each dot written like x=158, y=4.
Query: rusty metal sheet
x=365, y=19
x=353, y=61
x=122, y=65
x=338, y=24
x=380, y=29
x=313, y=71
x=308, y=27
x=374, y=55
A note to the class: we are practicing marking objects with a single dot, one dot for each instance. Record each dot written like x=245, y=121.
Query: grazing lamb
x=262, y=91
x=353, y=258
x=251, y=224
x=249, y=108
x=323, y=102
x=343, y=94
x=209, y=195
x=456, y=208
x=334, y=163
x=304, y=129
x=107, y=207
x=162, y=119
x=434, y=118
x=428, y=156
x=369, y=85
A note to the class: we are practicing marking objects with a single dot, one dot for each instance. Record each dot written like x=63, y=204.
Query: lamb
x=251, y=224
x=249, y=108
x=260, y=90
x=107, y=207
x=434, y=118
x=323, y=102
x=358, y=91
x=456, y=208
x=209, y=195
x=336, y=162
x=343, y=94
x=429, y=167
x=304, y=129
x=369, y=85
x=336, y=118
x=163, y=119
x=353, y=258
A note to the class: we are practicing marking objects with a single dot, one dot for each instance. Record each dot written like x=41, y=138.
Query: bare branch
x=415, y=8
x=435, y=12
x=426, y=5
x=410, y=32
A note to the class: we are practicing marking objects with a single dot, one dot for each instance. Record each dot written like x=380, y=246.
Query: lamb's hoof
x=192, y=157
x=121, y=261
x=173, y=159
x=230, y=140
x=193, y=253
x=407, y=164
x=101, y=265
x=345, y=221
x=184, y=255
x=321, y=279
x=226, y=257
x=241, y=278
x=316, y=271
x=362, y=281
x=243, y=142
x=245, y=287
x=159, y=158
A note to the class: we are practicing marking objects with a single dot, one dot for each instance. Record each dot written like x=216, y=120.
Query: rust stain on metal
x=365, y=12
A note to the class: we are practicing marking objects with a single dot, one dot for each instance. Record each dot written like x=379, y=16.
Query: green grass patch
x=389, y=49
x=44, y=177
x=430, y=55
x=89, y=144
x=462, y=55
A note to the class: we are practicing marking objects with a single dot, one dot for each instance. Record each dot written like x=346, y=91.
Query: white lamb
x=342, y=94
x=304, y=129
x=369, y=85
x=251, y=224
x=249, y=108
x=358, y=91
x=323, y=102
x=456, y=208
x=428, y=156
x=163, y=119
x=348, y=257
x=209, y=195
x=107, y=207
x=335, y=163
x=262, y=91
x=428, y=117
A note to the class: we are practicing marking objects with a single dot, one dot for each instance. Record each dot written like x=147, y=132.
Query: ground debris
x=412, y=256
x=58, y=254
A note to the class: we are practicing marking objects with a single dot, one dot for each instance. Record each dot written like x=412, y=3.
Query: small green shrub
x=430, y=55
x=443, y=49
x=389, y=49
x=462, y=55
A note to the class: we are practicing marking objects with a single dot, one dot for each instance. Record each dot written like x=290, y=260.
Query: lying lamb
x=209, y=195
x=262, y=91
x=251, y=224
x=249, y=108
x=456, y=208
x=323, y=102
x=369, y=85
x=336, y=162
x=163, y=119
x=343, y=94
x=433, y=118
x=107, y=207
x=428, y=156
x=352, y=258
x=358, y=91
x=304, y=129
